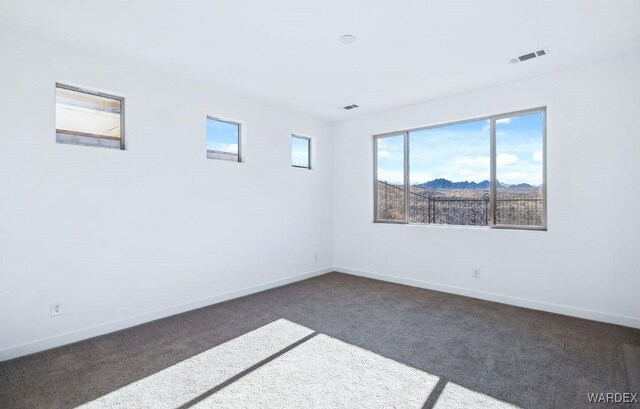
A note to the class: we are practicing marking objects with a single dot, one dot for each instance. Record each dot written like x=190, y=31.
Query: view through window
x=223, y=140
x=300, y=152
x=88, y=118
x=443, y=174
x=450, y=174
x=390, y=192
x=520, y=170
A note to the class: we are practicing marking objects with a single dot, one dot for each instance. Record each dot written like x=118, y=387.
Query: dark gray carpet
x=528, y=358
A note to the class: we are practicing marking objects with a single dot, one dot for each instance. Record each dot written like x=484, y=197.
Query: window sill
x=456, y=226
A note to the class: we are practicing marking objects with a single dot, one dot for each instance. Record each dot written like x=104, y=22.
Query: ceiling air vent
x=529, y=56
x=349, y=107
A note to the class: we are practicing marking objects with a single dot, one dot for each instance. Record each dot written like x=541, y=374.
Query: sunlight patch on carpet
x=324, y=372
x=188, y=379
x=456, y=397
x=285, y=365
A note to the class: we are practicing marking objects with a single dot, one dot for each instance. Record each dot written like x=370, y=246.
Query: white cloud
x=383, y=154
x=420, y=177
x=391, y=176
x=506, y=159
x=503, y=121
x=512, y=178
x=232, y=147
x=472, y=161
x=223, y=147
x=474, y=177
x=537, y=156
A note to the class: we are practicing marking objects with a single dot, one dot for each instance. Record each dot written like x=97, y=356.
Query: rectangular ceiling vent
x=529, y=56
x=349, y=107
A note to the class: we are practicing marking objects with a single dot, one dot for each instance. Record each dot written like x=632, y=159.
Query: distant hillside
x=442, y=183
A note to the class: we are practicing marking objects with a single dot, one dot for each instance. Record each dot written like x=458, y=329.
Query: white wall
x=126, y=237
x=588, y=262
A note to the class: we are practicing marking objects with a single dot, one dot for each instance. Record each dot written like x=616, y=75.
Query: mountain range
x=442, y=183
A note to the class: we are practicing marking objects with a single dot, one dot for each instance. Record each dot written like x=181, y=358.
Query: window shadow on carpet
x=287, y=365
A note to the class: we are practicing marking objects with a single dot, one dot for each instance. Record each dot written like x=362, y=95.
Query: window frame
x=405, y=167
x=493, y=170
x=310, y=140
x=240, y=131
x=87, y=91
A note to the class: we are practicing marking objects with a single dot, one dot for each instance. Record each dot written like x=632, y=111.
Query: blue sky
x=461, y=152
x=299, y=151
x=222, y=136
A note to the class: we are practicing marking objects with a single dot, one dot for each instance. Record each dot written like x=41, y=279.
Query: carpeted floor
x=521, y=357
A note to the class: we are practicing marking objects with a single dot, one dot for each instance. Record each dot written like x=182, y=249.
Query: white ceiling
x=287, y=51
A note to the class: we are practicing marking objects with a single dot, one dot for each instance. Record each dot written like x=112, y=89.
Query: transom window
x=485, y=172
x=89, y=118
x=223, y=140
x=300, y=152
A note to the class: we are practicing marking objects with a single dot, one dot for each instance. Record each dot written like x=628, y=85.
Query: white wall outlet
x=315, y=257
x=56, y=309
x=476, y=272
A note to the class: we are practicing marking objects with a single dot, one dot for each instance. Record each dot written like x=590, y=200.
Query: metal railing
x=469, y=211
x=449, y=210
x=390, y=201
x=523, y=211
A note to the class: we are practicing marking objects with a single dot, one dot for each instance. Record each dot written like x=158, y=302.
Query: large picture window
x=485, y=172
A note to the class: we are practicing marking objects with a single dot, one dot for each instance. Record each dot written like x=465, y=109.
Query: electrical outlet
x=315, y=257
x=476, y=273
x=56, y=309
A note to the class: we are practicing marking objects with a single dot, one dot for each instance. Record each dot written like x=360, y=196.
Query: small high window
x=300, y=152
x=223, y=140
x=89, y=118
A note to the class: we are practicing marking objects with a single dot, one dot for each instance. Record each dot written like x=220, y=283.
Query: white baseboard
x=107, y=327
x=633, y=322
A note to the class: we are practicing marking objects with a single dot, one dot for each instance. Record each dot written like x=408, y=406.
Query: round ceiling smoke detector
x=348, y=39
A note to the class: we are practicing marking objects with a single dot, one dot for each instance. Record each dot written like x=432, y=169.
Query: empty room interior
x=320, y=204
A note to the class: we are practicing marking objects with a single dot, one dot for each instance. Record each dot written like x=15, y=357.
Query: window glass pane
x=223, y=140
x=519, y=170
x=300, y=149
x=86, y=119
x=390, y=178
x=450, y=173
